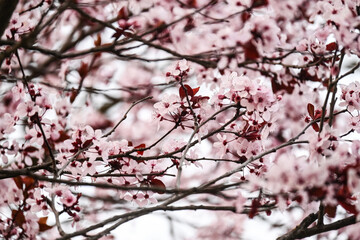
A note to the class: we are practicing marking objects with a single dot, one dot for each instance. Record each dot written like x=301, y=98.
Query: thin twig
x=125, y=115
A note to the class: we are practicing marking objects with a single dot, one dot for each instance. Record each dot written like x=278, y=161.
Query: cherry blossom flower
x=351, y=96
x=7, y=124
x=67, y=198
x=220, y=146
x=34, y=136
x=27, y=109
x=18, y=91
x=168, y=104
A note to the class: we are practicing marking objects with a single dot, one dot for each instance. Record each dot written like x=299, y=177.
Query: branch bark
x=6, y=10
x=302, y=230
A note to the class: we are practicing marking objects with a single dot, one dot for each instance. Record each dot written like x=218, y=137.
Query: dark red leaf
x=331, y=46
x=255, y=204
x=245, y=16
x=330, y=211
x=250, y=51
x=31, y=149
x=123, y=13
x=252, y=136
x=192, y=3
x=318, y=114
x=348, y=207
x=195, y=90
x=28, y=181
x=118, y=33
x=311, y=110
x=196, y=99
x=305, y=75
x=189, y=25
x=316, y=127
x=158, y=184
x=182, y=92
x=18, y=217
x=87, y=143
x=73, y=95
x=278, y=86
x=317, y=192
x=140, y=146
x=97, y=42
x=63, y=136
x=83, y=70
x=259, y=3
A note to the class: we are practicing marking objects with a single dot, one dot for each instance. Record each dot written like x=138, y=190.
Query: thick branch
x=302, y=230
x=6, y=10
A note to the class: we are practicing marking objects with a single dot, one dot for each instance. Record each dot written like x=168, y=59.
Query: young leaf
x=42, y=224
x=18, y=181
x=139, y=147
x=311, y=110
x=158, y=184
x=18, y=217
x=330, y=211
x=189, y=91
x=316, y=127
x=195, y=90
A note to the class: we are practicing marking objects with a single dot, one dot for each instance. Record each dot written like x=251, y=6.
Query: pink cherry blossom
x=243, y=109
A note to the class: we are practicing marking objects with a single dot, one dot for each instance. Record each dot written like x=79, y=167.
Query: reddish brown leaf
x=317, y=192
x=87, y=143
x=245, y=16
x=330, y=211
x=73, y=95
x=123, y=13
x=318, y=114
x=118, y=33
x=83, y=70
x=259, y=3
x=311, y=110
x=97, y=42
x=250, y=51
x=316, y=127
x=189, y=91
x=304, y=75
x=192, y=3
x=189, y=25
x=29, y=182
x=276, y=86
x=42, y=224
x=18, y=217
x=63, y=136
x=18, y=181
x=348, y=207
x=158, y=184
x=331, y=46
x=196, y=99
x=31, y=149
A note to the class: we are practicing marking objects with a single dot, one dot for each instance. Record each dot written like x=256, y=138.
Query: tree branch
x=7, y=7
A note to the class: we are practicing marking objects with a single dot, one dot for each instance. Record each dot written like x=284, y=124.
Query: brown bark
x=7, y=7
